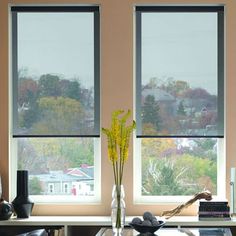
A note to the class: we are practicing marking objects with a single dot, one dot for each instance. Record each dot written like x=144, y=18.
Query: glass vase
x=118, y=209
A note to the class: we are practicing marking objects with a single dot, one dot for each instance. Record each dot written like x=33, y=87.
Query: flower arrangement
x=118, y=137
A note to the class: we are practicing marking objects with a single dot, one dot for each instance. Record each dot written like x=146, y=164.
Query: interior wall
x=117, y=63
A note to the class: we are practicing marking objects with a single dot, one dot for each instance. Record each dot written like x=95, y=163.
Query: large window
x=55, y=97
x=179, y=100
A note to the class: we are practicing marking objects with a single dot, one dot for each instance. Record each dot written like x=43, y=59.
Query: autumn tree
x=191, y=165
x=60, y=116
x=175, y=87
x=63, y=153
x=197, y=93
x=27, y=91
x=27, y=105
x=157, y=147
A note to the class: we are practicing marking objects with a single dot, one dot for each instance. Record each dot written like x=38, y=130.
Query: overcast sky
x=182, y=46
x=57, y=43
x=178, y=45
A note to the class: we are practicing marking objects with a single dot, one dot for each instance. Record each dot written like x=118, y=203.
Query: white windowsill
x=106, y=221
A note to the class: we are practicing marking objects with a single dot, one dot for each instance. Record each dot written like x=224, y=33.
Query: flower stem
x=118, y=214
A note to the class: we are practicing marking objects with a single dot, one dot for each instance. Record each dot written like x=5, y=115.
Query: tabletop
x=173, y=231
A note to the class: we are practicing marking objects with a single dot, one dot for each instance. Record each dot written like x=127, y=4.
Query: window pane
x=55, y=82
x=178, y=82
x=181, y=166
x=58, y=166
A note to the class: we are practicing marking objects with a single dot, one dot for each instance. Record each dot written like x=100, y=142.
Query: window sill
x=106, y=221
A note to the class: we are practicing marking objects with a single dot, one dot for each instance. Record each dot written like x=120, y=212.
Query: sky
x=57, y=43
x=178, y=45
x=182, y=46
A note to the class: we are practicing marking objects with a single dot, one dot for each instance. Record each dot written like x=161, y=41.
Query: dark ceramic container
x=22, y=204
x=147, y=229
x=6, y=209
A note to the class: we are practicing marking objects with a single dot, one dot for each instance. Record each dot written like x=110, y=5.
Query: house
x=73, y=181
x=165, y=100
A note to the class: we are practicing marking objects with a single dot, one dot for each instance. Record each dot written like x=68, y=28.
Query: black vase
x=22, y=204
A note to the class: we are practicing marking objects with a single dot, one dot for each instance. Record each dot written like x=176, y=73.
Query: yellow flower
x=118, y=137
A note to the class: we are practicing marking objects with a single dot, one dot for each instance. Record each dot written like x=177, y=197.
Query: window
x=55, y=97
x=51, y=188
x=66, y=188
x=179, y=101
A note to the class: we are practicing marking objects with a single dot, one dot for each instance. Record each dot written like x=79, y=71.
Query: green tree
x=150, y=113
x=49, y=86
x=181, y=111
x=162, y=178
x=70, y=89
x=201, y=172
x=78, y=151
x=35, y=186
x=205, y=148
x=73, y=90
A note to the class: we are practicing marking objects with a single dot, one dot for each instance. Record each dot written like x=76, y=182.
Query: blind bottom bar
x=56, y=136
x=179, y=136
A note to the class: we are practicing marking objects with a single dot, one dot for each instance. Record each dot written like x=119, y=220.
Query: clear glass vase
x=118, y=209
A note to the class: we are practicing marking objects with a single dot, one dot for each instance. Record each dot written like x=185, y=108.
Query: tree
x=60, y=116
x=63, y=153
x=207, y=118
x=201, y=172
x=162, y=178
x=181, y=110
x=197, y=93
x=150, y=112
x=27, y=102
x=49, y=86
x=27, y=91
x=26, y=155
x=29, y=117
x=154, y=82
x=78, y=151
x=175, y=87
x=205, y=148
x=35, y=187
x=155, y=148
x=70, y=89
x=181, y=86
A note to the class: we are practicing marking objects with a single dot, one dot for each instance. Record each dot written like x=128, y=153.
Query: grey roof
x=60, y=176
x=55, y=176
